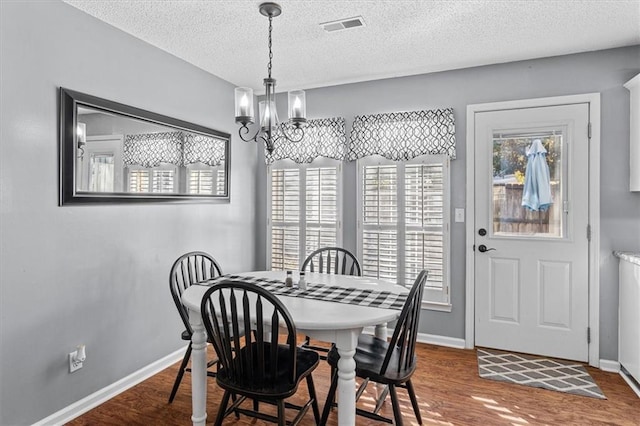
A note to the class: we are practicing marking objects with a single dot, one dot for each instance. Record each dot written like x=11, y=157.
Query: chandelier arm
x=297, y=131
x=269, y=143
x=244, y=130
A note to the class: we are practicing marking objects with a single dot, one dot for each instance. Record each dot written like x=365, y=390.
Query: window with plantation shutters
x=379, y=221
x=205, y=181
x=304, y=210
x=424, y=237
x=156, y=180
x=403, y=224
x=285, y=219
x=321, y=207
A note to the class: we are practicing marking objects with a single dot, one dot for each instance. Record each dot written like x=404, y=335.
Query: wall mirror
x=110, y=152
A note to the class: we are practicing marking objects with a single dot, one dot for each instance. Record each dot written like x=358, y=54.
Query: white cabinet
x=629, y=315
x=634, y=148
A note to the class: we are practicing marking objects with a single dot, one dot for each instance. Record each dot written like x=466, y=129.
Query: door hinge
x=474, y=247
x=589, y=130
x=589, y=233
x=588, y=334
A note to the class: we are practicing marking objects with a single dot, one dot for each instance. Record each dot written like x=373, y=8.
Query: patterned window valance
x=324, y=137
x=203, y=149
x=178, y=148
x=403, y=135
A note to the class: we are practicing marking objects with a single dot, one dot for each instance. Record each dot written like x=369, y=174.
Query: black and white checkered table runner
x=353, y=296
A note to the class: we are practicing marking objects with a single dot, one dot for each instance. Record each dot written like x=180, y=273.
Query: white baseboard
x=614, y=367
x=631, y=383
x=91, y=401
x=433, y=339
x=609, y=366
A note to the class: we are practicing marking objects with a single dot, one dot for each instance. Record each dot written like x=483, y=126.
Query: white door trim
x=593, y=99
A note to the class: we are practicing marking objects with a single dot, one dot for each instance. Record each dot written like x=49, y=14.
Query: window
x=155, y=180
x=205, y=180
x=404, y=222
x=304, y=206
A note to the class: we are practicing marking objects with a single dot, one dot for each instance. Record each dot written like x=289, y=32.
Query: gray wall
x=96, y=275
x=603, y=71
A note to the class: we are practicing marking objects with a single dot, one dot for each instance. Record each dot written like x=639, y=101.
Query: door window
x=513, y=182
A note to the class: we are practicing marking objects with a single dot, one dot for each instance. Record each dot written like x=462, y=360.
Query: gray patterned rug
x=530, y=370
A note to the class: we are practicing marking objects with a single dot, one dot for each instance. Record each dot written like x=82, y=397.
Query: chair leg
x=414, y=401
x=397, y=414
x=233, y=400
x=282, y=421
x=330, y=398
x=223, y=408
x=183, y=366
x=381, y=399
x=312, y=395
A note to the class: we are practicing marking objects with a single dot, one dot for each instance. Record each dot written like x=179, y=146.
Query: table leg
x=198, y=369
x=346, y=343
x=381, y=331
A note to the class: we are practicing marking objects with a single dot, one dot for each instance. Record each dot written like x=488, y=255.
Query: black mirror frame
x=69, y=101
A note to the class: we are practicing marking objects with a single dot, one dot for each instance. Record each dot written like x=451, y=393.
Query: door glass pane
x=527, y=190
x=101, y=173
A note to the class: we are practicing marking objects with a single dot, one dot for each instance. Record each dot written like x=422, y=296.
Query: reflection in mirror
x=122, y=153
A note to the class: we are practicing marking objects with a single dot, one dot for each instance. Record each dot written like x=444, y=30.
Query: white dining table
x=329, y=321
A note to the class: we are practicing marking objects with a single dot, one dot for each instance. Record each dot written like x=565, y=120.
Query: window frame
x=302, y=223
x=430, y=295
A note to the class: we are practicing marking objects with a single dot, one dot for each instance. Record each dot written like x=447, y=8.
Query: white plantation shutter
x=206, y=181
x=285, y=219
x=304, y=211
x=220, y=183
x=200, y=182
x=379, y=222
x=152, y=180
x=138, y=181
x=321, y=208
x=403, y=226
x=424, y=226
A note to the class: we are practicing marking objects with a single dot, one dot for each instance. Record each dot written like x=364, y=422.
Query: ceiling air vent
x=343, y=24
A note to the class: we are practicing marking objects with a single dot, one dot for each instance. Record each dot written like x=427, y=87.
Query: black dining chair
x=332, y=260
x=329, y=260
x=265, y=365
x=187, y=270
x=389, y=363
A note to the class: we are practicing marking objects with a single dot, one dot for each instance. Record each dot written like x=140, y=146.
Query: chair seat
x=369, y=357
x=278, y=386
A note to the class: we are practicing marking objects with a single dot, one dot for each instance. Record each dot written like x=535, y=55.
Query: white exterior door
x=532, y=267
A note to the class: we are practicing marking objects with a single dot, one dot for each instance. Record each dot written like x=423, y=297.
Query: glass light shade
x=244, y=104
x=297, y=105
x=81, y=133
x=268, y=114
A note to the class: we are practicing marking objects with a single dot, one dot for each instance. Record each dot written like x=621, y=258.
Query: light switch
x=459, y=217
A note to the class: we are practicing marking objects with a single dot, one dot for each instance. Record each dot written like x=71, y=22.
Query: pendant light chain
x=270, y=52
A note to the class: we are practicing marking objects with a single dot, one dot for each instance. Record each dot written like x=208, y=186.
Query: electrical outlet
x=459, y=215
x=74, y=364
x=76, y=358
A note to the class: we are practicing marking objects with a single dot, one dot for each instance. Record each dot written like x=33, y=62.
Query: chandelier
x=271, y=130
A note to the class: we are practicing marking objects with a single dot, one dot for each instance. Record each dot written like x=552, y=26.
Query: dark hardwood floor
x=447, y=385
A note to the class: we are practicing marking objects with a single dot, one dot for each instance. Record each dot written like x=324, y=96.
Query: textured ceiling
x=229, y=38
